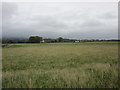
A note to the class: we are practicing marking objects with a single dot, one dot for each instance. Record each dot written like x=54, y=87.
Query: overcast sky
x=75, y=20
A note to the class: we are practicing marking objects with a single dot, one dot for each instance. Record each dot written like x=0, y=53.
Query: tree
x=35, y=39
x=55, y=41
x=60, y=39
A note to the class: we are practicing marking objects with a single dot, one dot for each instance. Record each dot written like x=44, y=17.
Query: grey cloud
x=0, y=10
x=68, y=22
x=8, y=9
x=0, y=21
x=109, y=15
x=92, y=23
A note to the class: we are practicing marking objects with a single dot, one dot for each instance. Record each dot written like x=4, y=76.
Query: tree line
x=33, y=39
x=37, y=39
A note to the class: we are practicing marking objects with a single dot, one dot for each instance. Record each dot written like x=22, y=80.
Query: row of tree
x=33, y=39
x=37, y=39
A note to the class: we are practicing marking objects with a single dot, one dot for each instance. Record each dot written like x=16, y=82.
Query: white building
x=42, y=41
x=77, y=41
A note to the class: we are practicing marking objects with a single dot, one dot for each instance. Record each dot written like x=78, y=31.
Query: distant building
x=42, y=41
x=77, y=41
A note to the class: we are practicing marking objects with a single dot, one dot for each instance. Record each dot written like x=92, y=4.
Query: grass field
x=61, y=65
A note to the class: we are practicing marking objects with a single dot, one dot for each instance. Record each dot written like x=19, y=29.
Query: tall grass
x=63, y=65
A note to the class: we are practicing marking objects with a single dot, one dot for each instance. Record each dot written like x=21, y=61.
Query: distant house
x=77, y=41
x=42, y=41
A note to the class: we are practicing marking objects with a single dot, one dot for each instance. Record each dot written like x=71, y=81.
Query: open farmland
x=56, y=65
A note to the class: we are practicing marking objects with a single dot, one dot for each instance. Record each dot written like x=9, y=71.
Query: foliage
x=60, y=39
x=35, y=39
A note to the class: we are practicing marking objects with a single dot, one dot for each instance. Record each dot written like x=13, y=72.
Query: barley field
x=60, y=65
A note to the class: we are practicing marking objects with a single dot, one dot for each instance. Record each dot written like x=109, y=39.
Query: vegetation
x=61, y=65
x=35, y=39
x=60, y=39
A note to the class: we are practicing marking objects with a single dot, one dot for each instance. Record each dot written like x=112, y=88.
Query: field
x=61, y=65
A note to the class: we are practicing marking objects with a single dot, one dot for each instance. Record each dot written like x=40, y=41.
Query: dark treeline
x=37, y=39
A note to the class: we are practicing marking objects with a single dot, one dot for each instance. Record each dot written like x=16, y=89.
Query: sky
x=74, y=20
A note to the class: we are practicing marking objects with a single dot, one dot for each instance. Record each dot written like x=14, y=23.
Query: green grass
x=61, y=65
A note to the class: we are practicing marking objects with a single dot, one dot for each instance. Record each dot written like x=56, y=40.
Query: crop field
x=60, y=65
